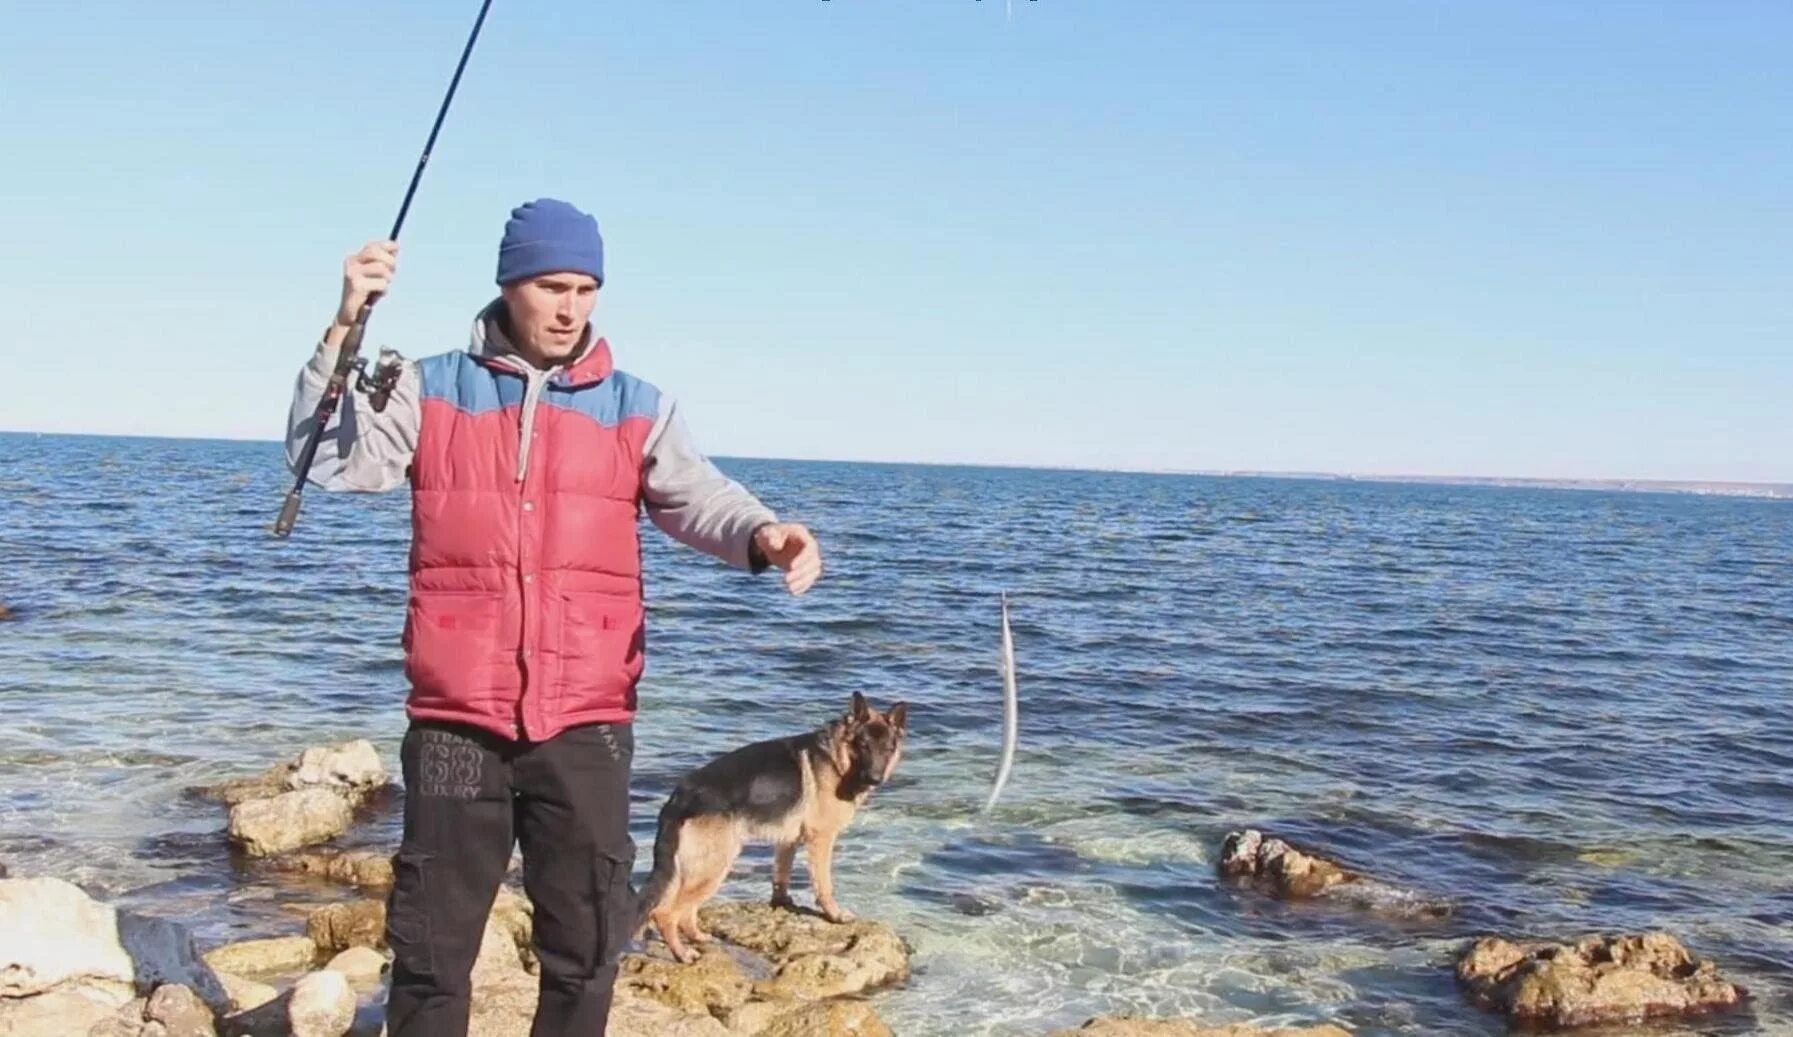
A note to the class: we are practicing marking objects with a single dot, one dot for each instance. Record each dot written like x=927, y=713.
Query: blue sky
x=1501, y=238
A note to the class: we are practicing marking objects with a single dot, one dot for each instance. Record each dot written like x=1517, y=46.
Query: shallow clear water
x=1564, y=711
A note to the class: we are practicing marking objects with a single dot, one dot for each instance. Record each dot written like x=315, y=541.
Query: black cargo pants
x=469, y=797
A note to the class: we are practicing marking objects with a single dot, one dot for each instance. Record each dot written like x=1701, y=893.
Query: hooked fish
x=1011, y=710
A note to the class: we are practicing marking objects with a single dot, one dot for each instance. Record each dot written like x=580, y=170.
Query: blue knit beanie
x=548, y=236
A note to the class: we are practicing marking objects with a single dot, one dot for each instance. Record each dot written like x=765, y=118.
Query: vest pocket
x=598, y=627
x=451, y=640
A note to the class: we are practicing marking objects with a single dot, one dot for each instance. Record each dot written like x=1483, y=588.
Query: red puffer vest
x=526, y=613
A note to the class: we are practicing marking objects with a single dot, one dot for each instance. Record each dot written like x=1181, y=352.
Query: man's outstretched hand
x=792, y=547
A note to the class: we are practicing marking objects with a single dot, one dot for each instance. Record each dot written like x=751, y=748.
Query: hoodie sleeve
x=692, y=501
x=362, y=449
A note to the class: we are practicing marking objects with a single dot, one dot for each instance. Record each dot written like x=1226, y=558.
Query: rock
x=1288, y=872
x=73, y=1008
x=335, y=928
x=266, y=785
x=246, y=993
x=320, y=1004
x=279, y=955
x=513, y=911
x=353, y=768
x=504, y=993
x=180, y=1011
x=498, y=957
x=1128, y=1026
x=362, y=965
x=1596, y=980
x=5, y=613
x=53, y=934
x=632, y=1016
x=813, y=958
x=364, y=868
x=1272, y=865
x=504, y=998
x=263, y=827
x=712, y=985
x=127, y=1022
x=825, y=1019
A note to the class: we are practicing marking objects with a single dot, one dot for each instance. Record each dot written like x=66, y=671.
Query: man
x=529, y=457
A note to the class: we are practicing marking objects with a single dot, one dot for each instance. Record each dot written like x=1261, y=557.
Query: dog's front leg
x=782, y=859
x=821, y=872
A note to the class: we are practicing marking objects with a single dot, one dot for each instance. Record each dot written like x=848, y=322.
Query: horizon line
x=1767, y=489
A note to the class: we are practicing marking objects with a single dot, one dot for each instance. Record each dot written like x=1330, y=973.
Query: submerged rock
x=1128, y=1026
x=5, y=613
x=367, y=869
x=1596, y=980
x=1272, y=865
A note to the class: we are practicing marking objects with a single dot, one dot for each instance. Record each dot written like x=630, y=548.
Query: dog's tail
x=673, y=815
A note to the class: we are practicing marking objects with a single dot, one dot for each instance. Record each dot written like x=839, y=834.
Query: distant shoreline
x=1695, y=487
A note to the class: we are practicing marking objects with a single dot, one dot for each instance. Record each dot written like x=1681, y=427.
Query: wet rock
x=335, y=928
x=362, y=965
x=52, y=935
x=1596, y=980
x=5, y=613
x=1286, y=871
x=367, y=869
x=320, y=1004
x=1272, y=865
x=351, y=769
x=813, y=958
x=974, y=905
x=712, y=985
x=180, y=1011
x=263, y=827
x=266, y=785
x=1128, y=1026
x=284, y=954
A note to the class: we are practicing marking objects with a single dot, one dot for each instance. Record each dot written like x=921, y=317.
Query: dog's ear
x=898, y=716
x=861, y=711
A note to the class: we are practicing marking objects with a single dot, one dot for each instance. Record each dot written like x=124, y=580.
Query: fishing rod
x=384, y=379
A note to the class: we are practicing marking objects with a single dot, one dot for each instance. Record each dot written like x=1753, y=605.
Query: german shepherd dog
x=800, y=790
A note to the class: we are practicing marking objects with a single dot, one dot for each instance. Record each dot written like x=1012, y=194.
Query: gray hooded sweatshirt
x=370, y=451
